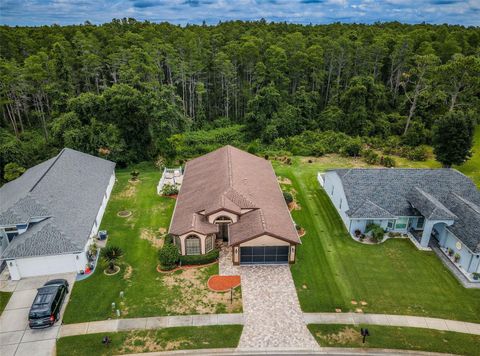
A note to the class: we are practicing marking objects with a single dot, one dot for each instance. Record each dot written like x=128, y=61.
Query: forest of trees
x=130, y=91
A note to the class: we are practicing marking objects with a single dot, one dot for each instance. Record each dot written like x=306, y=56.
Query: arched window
x=223, y=222
x=192, y=245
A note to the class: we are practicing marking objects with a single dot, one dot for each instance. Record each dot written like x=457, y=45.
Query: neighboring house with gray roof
x=49, y=215
x=439, y=203
x=234, y=196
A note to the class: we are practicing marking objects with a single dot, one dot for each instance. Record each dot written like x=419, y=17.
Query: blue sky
x=41, y=12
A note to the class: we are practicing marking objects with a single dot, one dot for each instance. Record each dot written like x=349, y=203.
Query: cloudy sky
x=41, y=12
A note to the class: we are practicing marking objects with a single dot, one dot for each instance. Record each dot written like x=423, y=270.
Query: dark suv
x=45, y=309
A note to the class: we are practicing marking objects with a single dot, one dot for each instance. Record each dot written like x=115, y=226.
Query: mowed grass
x=390, y=337
x=168, y=339
x=146, y=291
x=471, y=168
x=394, y=277
x=4, y=298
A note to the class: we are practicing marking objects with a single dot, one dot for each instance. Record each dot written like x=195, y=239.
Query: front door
x=223, y=231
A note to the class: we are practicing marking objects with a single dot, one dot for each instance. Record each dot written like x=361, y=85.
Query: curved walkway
x=393, y=320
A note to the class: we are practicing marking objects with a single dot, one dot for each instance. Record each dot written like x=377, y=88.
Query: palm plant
x=110, y=255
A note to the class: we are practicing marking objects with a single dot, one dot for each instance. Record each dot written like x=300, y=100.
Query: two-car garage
x=264, y=255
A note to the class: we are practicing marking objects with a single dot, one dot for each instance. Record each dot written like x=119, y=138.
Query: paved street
x=15, y=336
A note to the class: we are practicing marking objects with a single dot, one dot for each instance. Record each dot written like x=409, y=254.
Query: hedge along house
x=439, y=203
x=49, y=215
x=234, y=196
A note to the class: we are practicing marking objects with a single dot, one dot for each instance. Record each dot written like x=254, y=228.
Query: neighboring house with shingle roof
x=49, y=214
x=234, y=196
x=442, y=203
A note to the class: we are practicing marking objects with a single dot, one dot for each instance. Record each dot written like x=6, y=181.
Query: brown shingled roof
x=232, y=179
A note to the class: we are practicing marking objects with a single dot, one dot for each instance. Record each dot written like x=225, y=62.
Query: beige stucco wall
x=265, y=240
x=211, y=218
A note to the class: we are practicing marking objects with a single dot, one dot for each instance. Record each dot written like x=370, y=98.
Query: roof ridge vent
x=47, y=170
x=229, y=164
x=262, y=218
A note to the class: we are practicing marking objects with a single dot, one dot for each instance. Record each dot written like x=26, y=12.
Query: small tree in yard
x=110, y=255
x=453, y=138
x=168, y=256
x=376, y=231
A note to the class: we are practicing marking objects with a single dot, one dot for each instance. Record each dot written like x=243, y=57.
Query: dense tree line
x=122, y=89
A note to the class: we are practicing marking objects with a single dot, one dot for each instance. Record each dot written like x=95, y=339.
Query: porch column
x=427, y=232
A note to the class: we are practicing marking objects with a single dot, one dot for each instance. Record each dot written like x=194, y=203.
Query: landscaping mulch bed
x=108, y=273
x=124, y=213
x=184, y=267
x=219, y=283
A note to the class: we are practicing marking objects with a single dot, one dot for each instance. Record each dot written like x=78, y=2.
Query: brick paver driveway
x=272, y=315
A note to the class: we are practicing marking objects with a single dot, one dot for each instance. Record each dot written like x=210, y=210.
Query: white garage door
x=39, y=266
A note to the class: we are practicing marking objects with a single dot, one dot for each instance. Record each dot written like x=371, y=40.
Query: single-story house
x=439, y=203
x=50, y=214
x=234, y=196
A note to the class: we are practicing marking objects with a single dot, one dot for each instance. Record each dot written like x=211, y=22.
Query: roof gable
x=69, y=188
x=231, y=179
x=438, y=194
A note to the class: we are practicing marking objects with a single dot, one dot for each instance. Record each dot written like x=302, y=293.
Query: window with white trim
x=192, y=245
x=209, y=243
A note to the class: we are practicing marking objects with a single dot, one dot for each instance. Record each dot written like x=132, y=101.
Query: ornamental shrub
x=351, y=148
x=199, y=259
x=388, y=161
x=419, y=153
x=376, y=231
x=288, y=197
x=370, y=156
x=169, y=189
x=168, y=256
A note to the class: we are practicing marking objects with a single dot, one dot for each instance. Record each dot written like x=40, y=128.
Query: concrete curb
x=281, y=351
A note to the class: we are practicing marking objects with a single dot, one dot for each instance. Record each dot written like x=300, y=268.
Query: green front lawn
x=169, y=339
x=4, y=298
x=332, y=270
x=146, y=291
x=390, y=337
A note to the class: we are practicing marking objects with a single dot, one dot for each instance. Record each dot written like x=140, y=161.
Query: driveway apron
x=16, y=338
x=271, y=311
